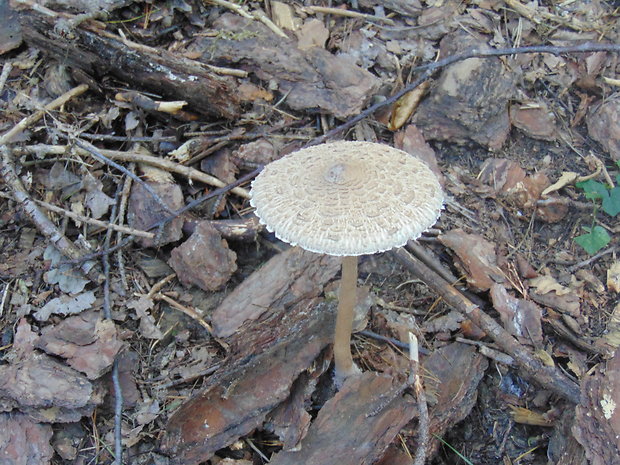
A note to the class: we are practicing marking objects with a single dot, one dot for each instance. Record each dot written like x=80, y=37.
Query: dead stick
x=40, y=219
x=36, y=116
x=94, y=222
x=416, y=382
x=549, y=377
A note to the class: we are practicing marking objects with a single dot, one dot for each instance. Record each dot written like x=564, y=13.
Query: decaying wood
x=597, y=422
x=285, y=279
x=268, y=359
x=245, y=229
x=548, y=377
x=101, y=54
x=356, y=425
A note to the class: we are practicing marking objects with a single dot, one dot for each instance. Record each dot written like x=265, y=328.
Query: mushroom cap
x=347, y=198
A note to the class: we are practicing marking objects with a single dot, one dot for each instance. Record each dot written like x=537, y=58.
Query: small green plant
x=596, y=237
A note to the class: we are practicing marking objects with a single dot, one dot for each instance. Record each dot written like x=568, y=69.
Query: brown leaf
x=144, y=211
x=535, y=120
x=477, y=258
x=522, y=318
x=604, y=125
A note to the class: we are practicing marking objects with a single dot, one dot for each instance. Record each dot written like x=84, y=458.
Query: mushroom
x=347, y=199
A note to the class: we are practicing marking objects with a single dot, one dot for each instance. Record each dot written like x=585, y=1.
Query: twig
x=37, y=115
x=259, y=15
x=40, y=219
x=350, y=14
x=136, y=157
x=187, y=310
x=94, y=222
x=94, y=152
x=416, y=382
x=122, y=208
x=429, y=69
x=549, y=377
x=6, y=70
x=390, y=340
x=593, y=258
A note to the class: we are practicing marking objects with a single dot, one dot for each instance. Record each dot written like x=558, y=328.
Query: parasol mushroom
x=347, y=199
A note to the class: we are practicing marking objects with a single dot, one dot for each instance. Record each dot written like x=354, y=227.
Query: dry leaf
x=406, y=105
x=566, y=179
x=613, y=276
x=65, y=305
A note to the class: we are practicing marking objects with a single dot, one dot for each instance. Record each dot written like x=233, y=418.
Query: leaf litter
x=239, y=336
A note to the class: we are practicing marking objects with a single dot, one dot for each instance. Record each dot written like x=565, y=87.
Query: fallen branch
x=190, y=173
x=549, y=377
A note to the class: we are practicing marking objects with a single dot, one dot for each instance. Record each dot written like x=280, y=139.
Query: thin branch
x=423, y=419
x=97, y=154
x=549, y=377
x=37, y=115
x=94, y=222
x=118, y=393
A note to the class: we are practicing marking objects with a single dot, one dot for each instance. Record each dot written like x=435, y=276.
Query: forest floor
x=147, y=317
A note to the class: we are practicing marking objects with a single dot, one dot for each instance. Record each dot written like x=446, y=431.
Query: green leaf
x=595, y=240
x=611, y=203
x=593, y=189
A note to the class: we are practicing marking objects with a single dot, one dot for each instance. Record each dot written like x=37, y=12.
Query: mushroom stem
x=344, y=321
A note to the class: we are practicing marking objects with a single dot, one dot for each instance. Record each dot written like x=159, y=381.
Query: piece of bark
x=451, y=387
x=604, y=125
x=535, y=120
x=311, y=79
x=10, y=29
x=46, y=390
x=271, y=356
x=477, y=258
x=287, y=278
x=23, y=441
x=356, y=425
x=470, y=99
x=204, y=259
x=563, y=448
x=290, y=420
x=99, y=53
x=597, y=426
x=143, y=211
x=88, y=342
